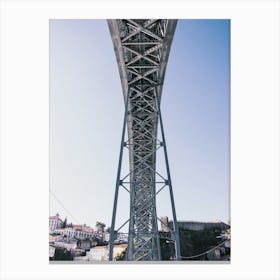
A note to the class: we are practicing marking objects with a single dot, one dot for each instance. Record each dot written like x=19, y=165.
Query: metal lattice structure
x=142, y=49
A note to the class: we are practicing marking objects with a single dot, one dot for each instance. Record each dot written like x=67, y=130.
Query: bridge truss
x=142, y=49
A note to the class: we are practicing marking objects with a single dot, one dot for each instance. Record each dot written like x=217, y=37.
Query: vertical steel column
x=129, y=255
x=156, y=225
x=112, y=230
x=175, y=224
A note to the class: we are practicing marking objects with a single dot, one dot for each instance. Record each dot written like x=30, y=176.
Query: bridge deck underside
x=142, y=49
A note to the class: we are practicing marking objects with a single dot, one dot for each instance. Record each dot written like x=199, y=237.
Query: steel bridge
x=142, y=48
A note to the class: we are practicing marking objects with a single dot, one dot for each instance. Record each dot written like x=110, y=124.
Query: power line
x=70, y=214
x=183, y=257
x=195, y=256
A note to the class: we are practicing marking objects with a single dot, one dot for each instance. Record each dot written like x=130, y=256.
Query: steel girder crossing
x=142, y=49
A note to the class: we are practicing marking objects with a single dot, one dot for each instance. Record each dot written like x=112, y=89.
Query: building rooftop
x=120, y=246
x=99, y=247
x=200, y=222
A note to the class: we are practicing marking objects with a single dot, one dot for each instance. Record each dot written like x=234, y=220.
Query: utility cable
x=70, y=214
x=195, y=256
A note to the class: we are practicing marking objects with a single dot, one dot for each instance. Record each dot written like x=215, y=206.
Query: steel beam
x=142, y=48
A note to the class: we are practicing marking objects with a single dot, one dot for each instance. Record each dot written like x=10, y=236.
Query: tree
x=100, y=225
x=64, y=225
x=61, y=254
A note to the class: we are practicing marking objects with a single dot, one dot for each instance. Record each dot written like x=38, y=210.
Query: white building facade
x=101, y=253
x=55, y=222
x=79, y=232
x=98, y=253
x=51, y=251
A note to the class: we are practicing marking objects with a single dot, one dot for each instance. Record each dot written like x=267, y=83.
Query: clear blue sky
x=86, y=114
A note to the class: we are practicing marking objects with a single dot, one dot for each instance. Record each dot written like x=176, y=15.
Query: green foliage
x=196, y=242
x=61, y=254
x=192, y=243
x=100, y=225
x=167, y=249
x=122, y=256
x=64, y=225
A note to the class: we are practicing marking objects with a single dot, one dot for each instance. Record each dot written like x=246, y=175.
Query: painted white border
x=254, y=137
